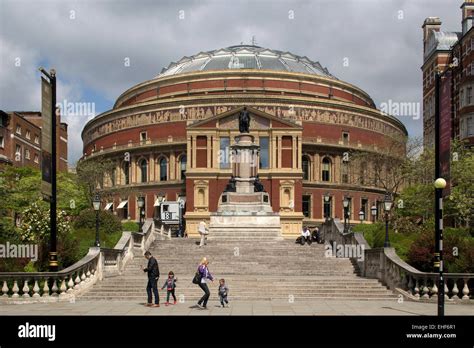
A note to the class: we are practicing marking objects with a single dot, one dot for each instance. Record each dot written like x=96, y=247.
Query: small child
x=170, y=285
x=223, y=292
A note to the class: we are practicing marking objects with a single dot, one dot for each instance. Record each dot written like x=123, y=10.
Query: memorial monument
x=244, y=209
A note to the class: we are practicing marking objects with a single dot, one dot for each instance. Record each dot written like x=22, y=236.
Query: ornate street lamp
x=361, y=216
x=387, y=205
x=345, y=203
x=96, y=203
x=141, y=204
x=373, y=211
x=327, y=198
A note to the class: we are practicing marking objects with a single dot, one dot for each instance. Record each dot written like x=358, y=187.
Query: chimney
x=430, y=24
x=467, y=9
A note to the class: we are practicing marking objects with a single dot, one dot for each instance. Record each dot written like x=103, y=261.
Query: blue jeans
x=152, y=284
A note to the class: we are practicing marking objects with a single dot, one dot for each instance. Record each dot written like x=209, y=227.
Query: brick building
x=20, y=140
x=169, y=136
x=441, y=49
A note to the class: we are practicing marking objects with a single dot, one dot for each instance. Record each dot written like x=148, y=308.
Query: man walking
x=153, y=275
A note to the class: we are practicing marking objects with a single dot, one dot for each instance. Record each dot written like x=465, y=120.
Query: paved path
x=274, y=307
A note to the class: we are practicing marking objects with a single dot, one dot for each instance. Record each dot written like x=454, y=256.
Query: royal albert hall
x=169, y=137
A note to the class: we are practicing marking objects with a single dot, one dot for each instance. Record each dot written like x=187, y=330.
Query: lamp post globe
x=361, y=216
x=373, y=211
x=440, y=183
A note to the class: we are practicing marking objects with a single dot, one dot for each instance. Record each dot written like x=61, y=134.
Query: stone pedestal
x=245, y=214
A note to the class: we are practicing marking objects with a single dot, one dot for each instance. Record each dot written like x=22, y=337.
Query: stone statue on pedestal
x=244, y=121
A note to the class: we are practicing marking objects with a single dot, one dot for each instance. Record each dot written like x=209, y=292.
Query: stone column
x=279, y=151
x=215, y=155
x=316, y=167
x=209, y=159
x=300, y=153
x=133, y=169
x=172, y=166
x=188, y=152
x=118, y=173
x=152, y=167
x=337, y=169
x=193, y=139
x=273, y=163
x=294, y=151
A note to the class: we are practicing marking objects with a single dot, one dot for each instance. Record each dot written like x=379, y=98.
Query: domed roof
x=245, y=57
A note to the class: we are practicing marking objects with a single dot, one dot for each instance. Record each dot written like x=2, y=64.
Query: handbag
x=197, y=278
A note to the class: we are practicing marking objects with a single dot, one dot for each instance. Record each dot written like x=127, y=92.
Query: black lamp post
x=440, y=184
x=327, y=213
x=141, y=203
x=387, y=205
x=345, y=203
x=96, y=203
x=373, y=211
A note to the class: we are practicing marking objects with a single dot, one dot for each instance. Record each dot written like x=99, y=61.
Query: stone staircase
x=254, y=270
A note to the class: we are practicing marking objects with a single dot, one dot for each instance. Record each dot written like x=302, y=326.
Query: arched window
x=182, y=167
x=126, y=172
x=306, y=166
x=143, y=169
x=163, y=169
x=326, y=169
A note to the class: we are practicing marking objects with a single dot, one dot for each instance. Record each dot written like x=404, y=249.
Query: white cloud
x=385, y=53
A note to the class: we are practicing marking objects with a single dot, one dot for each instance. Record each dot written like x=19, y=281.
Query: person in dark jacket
x=153, y=275
x=205, y=276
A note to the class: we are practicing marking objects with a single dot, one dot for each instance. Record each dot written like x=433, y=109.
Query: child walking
x=170, y=285
x=223, y=292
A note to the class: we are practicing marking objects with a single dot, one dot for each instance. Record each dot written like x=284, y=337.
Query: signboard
x=445, y=119
x=46, y=141
x=170, y=212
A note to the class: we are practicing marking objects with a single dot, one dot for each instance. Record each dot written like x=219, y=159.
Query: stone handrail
x=65, y=285
x=144, y=239
x=115, y=259
x=385, y=265
x=53, y=286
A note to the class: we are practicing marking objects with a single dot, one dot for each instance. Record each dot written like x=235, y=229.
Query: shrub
x=131, y=226
x=85, y=238
x=458, y=251
x=108, y=222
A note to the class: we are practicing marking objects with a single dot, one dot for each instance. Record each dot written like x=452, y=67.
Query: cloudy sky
x=374, y=44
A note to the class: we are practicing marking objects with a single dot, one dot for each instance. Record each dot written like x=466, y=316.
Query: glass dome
x=245, y=57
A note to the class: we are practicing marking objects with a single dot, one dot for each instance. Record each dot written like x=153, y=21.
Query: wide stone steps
x=254, y=270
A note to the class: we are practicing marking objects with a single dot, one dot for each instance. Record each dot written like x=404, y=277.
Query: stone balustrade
x=65, y=285
x=52, y=286
x=385, y=265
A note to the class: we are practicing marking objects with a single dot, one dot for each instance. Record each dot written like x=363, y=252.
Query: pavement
x=271, y=307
